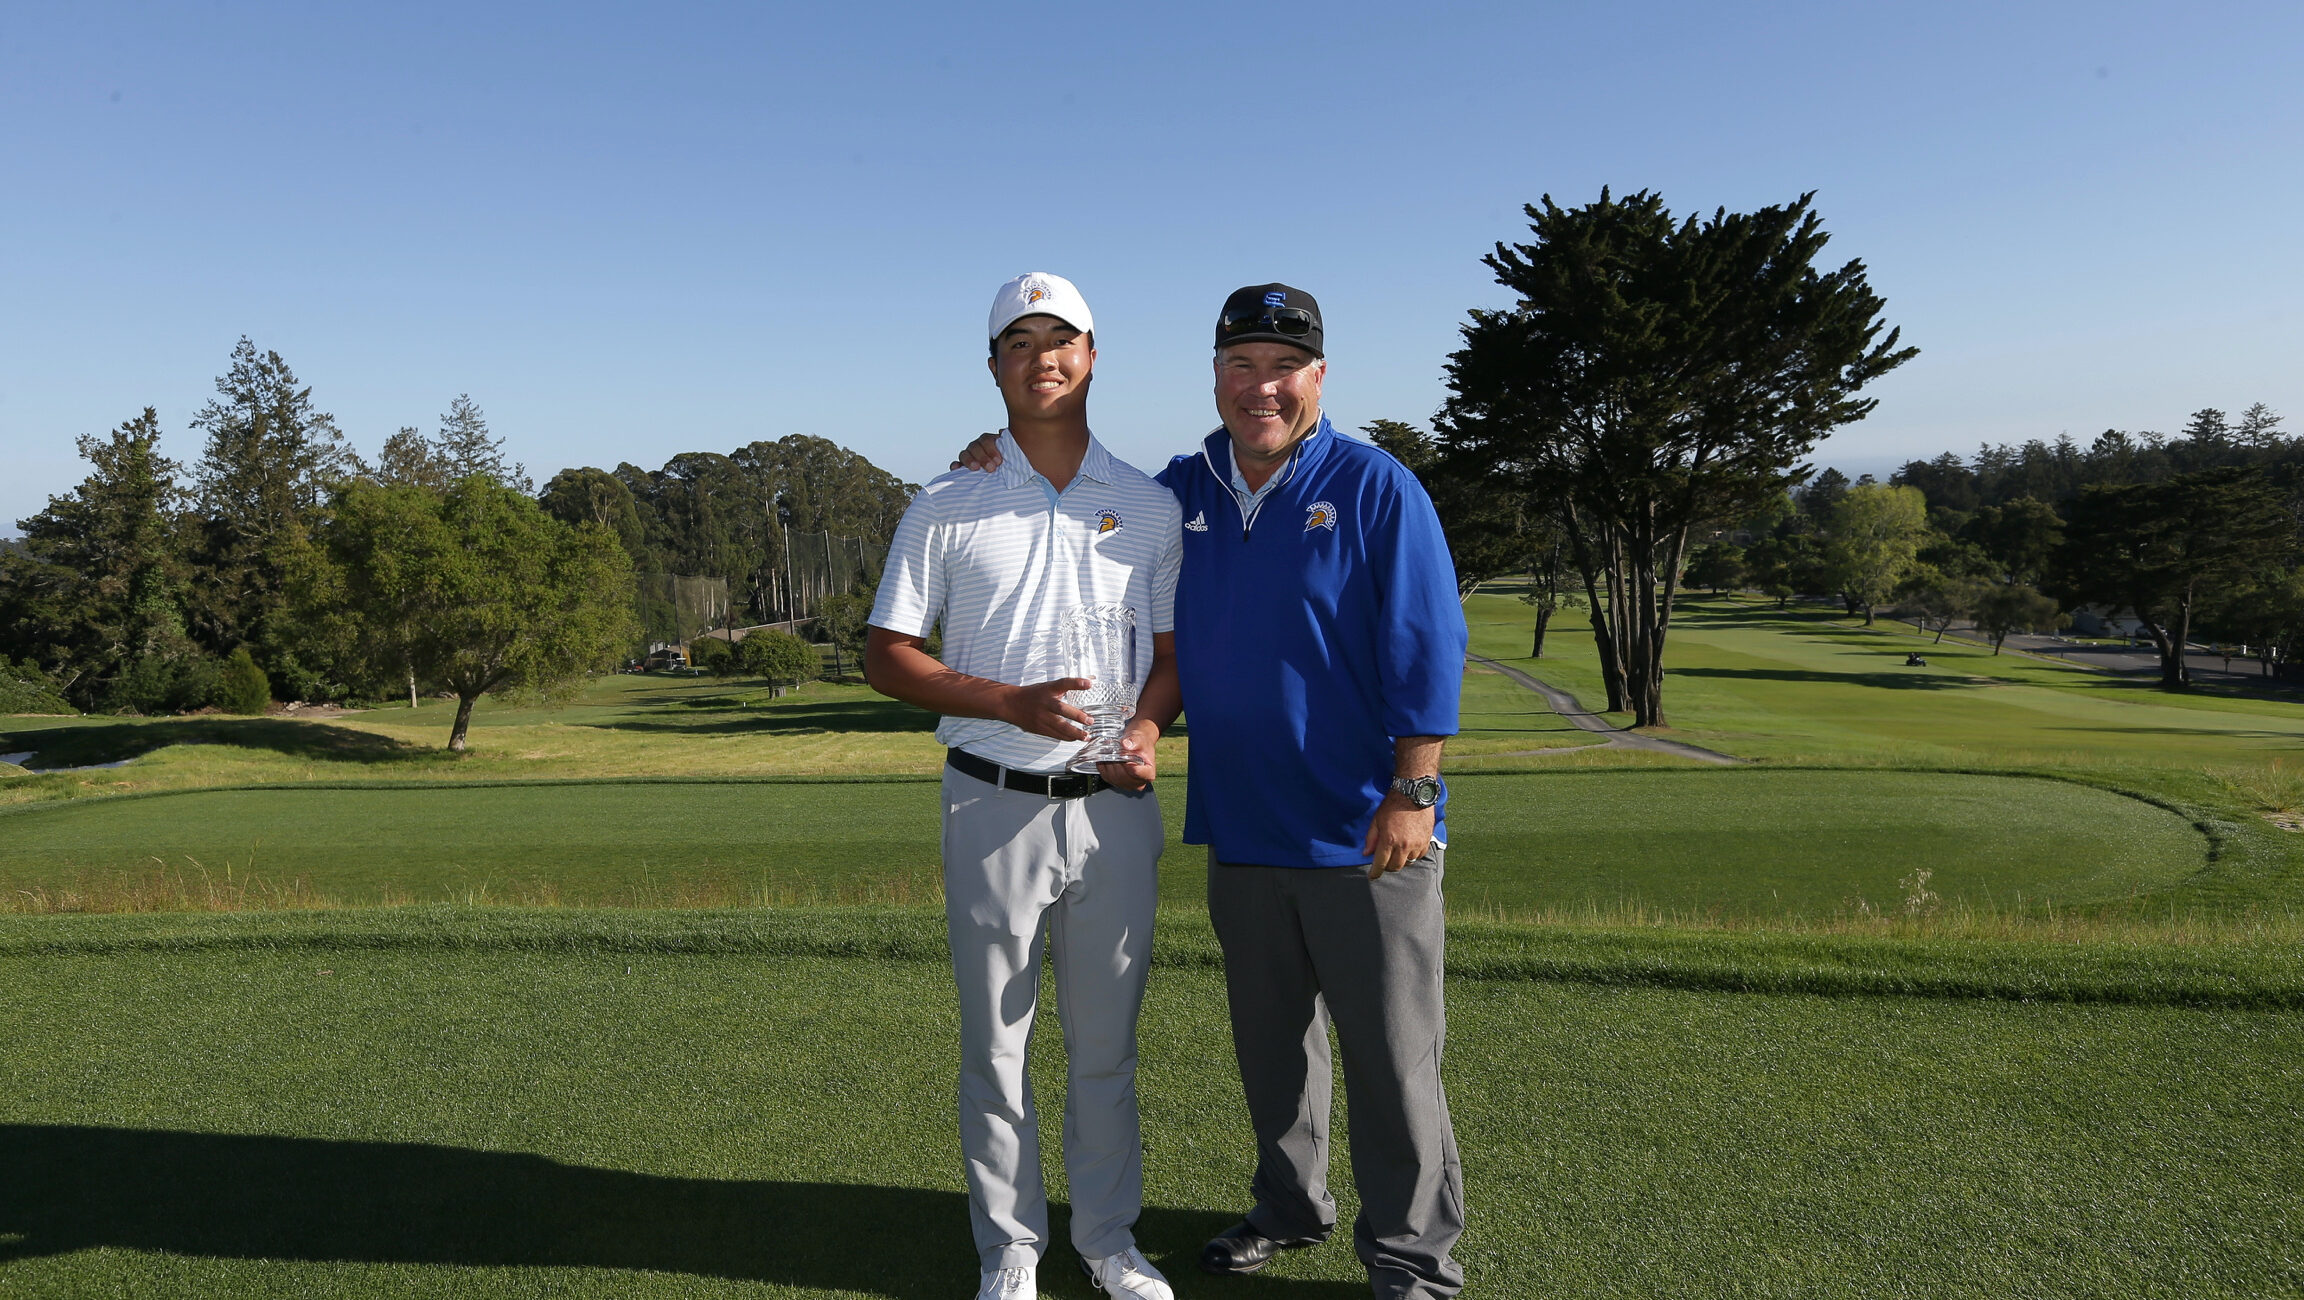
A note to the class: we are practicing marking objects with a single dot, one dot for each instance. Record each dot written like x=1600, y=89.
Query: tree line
x=1641, y=418
x=738, y=517
x=2192, y=536
x=280, y=564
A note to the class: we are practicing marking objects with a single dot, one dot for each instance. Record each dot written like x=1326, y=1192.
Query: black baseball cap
x=1271, y=313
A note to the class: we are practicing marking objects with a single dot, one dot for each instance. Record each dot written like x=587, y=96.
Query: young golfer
x=1034, y=854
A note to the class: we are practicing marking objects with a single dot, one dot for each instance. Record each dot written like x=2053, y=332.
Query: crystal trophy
x=1098, y=642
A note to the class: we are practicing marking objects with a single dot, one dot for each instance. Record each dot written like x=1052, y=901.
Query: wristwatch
x=1421, y=791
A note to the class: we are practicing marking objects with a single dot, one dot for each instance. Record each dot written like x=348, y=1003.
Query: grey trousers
x=1081, y=876
x=1303, y=946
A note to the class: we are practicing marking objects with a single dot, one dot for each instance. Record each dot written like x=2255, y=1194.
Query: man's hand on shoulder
x=1040, y=709
x=982, y=454
x=1136, y=741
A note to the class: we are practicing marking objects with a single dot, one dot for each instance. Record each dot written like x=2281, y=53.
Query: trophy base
x=1104, y=726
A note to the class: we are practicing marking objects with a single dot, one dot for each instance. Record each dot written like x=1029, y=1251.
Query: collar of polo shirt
x=1016, y=468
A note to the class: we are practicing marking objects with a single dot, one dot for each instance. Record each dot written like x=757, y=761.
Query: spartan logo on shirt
x=1320, y=515
x=1107, y=521
x=1198, y=523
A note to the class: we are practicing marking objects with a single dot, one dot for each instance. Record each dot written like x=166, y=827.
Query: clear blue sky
x=630, y=232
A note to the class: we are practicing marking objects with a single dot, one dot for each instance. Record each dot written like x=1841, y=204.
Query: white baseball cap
x=1037, y=293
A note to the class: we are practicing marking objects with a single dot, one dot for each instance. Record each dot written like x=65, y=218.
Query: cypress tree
x=244, y=688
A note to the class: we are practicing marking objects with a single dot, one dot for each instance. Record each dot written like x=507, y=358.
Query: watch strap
x=1422, y=791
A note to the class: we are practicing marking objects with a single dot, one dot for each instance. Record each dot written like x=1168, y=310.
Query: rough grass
x=1750, y=843
x=2254, y=963
x=437, y=1102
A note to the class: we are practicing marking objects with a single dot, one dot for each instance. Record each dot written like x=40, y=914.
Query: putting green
x=1737, y=841
x=1753, y=841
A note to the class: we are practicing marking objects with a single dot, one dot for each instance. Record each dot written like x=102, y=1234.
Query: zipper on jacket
x=1248, y=516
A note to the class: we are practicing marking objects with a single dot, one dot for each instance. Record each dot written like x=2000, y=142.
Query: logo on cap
x=1320, y=515
x=1275, y=298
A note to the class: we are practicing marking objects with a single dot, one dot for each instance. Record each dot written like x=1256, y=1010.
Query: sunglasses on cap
x=1292, y=322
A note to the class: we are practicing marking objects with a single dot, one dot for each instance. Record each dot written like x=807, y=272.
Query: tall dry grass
x=2276, y=788
x=194, y=888
x=1920, y=915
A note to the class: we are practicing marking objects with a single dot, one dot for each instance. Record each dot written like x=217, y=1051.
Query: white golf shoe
x=1128, y=1276
x=1008, y=1284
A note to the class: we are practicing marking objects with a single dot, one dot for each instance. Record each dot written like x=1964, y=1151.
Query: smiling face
x=1268, y=395
x=1042, y=366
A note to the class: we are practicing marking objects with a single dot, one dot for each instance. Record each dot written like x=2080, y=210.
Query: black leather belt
x=1068, y=785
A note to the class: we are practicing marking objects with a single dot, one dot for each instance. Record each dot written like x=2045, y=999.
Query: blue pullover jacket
x=1309, y=635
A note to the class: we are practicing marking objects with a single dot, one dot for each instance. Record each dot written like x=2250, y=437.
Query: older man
x=1320, y=649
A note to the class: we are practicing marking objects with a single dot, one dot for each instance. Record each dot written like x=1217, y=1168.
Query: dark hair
x=993, y=347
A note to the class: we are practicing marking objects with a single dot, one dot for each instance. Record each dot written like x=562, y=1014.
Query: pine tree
x=2208, y=427
x=2259, y=428
x=407, y=460
x=269, y=466
x=464, y=447
x=103, y=572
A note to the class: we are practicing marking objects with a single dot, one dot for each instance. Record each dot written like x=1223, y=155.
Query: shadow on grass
x=2214, y=733
x=802, y=717
x=86, y=745
x=1903, y=681
x=1536, y=723
x=211, y=1195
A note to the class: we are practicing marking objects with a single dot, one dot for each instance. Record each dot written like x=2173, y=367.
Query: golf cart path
x=1567, y=706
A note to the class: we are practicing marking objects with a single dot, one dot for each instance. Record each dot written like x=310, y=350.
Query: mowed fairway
x=1712, y=1033
x=1747, y=842
x=427, y=1103
x=1801, y=685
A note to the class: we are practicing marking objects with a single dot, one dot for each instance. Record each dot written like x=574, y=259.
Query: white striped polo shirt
x=1000, y=558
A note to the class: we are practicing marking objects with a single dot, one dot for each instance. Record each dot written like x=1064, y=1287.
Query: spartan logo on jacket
x=1320, y=514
